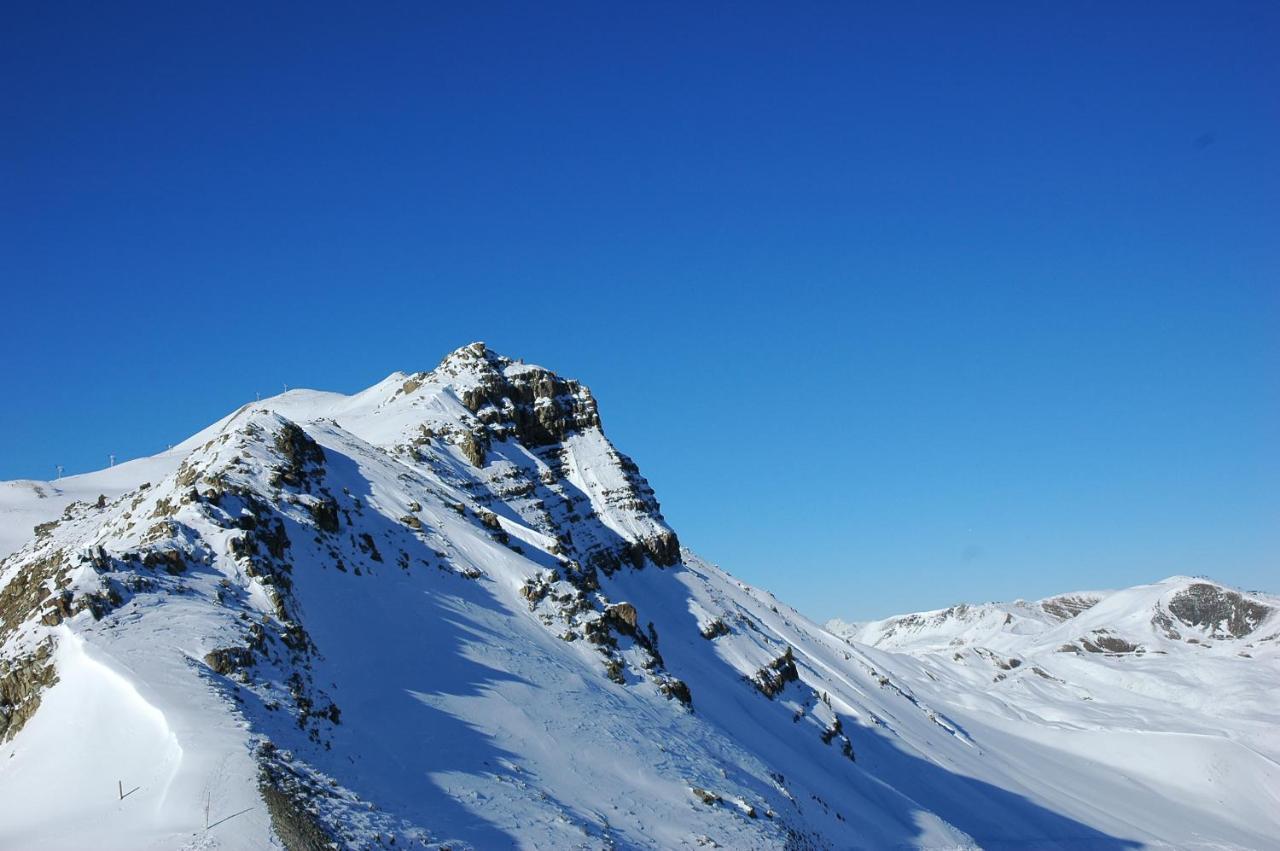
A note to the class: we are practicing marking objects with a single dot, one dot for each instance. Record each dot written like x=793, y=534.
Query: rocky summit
x=446, y=612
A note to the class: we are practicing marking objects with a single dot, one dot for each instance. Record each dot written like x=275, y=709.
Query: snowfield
x=1173, y=686
x=446, y=612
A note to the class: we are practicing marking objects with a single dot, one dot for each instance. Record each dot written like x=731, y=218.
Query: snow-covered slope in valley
x=447, y=612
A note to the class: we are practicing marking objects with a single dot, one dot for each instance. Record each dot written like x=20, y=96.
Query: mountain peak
x=471, y=357
x=512, y=399
x=446, y=612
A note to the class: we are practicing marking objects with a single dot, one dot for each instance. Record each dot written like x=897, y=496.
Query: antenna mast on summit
x=59, y=471
x=111, y=460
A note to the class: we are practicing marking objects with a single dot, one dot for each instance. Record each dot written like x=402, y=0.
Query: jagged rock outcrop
x=772, y=678
x=1218, y=610
x=1068, y=606
x=22, y=680
x=532, y=404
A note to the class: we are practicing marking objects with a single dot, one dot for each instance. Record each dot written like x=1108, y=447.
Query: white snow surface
x=434, y=652
x=1186, y=707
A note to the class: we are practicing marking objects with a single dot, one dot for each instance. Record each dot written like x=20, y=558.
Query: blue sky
x=894, y=307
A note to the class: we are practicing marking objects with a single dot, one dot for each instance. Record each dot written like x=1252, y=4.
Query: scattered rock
x=624, y=617
x=713, y=629
x=705, y=796
x=226, y=660
x=773, y=678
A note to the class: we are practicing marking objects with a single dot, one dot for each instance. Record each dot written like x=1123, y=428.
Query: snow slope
x=1174, y=686
x=447, y=612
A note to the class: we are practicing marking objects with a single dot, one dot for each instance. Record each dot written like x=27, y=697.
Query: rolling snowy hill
x=447, y=612
x=1174, y=685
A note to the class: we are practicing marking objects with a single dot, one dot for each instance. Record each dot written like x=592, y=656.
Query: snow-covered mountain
x=1162, y=618
x=447, y=612
x=1175, y=686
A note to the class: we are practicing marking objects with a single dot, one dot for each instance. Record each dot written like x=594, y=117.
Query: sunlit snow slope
x=447, y=612
x=1174, y=686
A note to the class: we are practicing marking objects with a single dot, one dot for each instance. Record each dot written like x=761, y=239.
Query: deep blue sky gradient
x=894, y=307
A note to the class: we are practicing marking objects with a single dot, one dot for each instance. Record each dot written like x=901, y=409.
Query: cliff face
x=1219, y=611
x=537, y=446
x=528, y=403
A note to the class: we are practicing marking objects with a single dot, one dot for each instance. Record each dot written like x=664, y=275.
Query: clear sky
x=894, y=308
